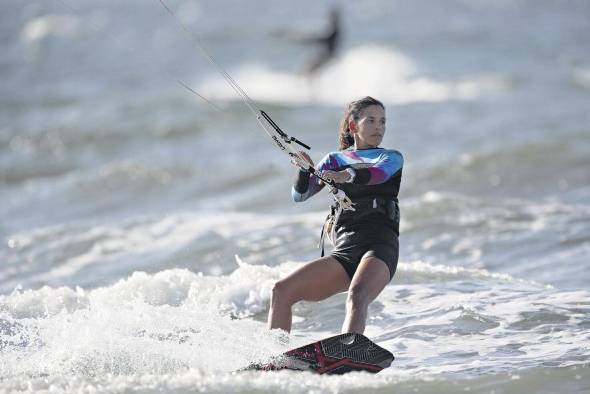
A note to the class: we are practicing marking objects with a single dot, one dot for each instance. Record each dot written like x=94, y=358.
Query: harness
x=362, y=208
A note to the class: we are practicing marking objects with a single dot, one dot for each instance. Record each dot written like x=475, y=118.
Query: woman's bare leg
x=371, y=277
x=314, y=281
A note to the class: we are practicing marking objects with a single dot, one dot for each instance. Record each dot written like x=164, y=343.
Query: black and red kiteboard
x=335, y=355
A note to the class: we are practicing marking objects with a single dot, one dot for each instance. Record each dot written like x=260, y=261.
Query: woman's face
x=368, y=131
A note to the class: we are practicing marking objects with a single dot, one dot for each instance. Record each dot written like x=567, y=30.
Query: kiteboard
x=336, y=355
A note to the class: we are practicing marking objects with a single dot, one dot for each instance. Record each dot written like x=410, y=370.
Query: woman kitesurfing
x=365, y=239
x=364, y=180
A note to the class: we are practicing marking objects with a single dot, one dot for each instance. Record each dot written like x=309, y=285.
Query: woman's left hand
x=336, y=176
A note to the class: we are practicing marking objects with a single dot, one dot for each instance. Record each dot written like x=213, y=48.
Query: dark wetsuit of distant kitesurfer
x=373, y=228
x=328, y=43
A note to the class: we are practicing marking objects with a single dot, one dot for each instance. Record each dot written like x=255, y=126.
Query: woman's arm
x=306, y=184
x=388, y=165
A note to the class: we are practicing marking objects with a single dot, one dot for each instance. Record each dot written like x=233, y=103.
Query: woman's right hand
x=337, y=176
x=303, y=159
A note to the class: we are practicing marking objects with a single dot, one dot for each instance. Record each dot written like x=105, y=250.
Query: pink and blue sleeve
x=388, y=165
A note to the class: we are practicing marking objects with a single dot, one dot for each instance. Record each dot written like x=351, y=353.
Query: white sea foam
x=44, y=26
x=385, y=73
x=581, y=77
x=162, y=323
x=424, y=272
x=540, y=380
x=177, y=327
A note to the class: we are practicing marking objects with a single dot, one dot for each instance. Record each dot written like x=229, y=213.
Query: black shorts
x=376, y=238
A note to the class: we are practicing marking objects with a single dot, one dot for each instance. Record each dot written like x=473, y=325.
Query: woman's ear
x=351, y=126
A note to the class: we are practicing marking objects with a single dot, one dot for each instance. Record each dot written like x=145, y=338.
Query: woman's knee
x=282, y=293
x=358, y=297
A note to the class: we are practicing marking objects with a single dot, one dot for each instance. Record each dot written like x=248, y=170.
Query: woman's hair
x=353, y=111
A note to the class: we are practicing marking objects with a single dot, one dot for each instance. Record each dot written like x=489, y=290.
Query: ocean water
x=141, y=229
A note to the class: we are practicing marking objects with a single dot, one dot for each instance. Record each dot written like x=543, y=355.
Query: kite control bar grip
x=300, y=143
x=281, y=132
x=319, y=175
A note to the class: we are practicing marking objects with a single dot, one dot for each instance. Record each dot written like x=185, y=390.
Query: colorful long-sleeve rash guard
x=378, y=174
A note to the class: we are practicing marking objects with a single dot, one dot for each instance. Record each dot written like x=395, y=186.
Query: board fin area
x=334, y=355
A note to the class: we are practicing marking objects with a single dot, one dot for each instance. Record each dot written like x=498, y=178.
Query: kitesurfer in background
x=325, y=43
x=365, y=240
